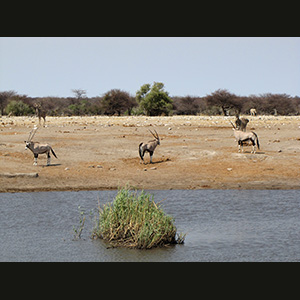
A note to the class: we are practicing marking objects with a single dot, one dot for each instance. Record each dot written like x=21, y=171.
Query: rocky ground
x=196, y=152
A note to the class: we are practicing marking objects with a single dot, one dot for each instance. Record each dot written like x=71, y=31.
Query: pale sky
x=196, y=66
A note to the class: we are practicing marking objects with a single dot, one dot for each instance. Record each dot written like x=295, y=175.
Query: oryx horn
x=32, y=133
x=232, y=124
x=155, y=135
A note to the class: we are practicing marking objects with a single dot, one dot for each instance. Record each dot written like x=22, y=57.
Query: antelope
x=37, y=148
x=253, y=112
x=241, y=124
x=244, y=137
x=149, y=147
x=40, y=113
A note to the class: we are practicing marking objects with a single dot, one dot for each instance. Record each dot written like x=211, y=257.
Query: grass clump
x=135, y=221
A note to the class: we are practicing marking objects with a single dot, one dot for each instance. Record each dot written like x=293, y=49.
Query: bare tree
x=4, y=96
x=79, y=93
x=225, y=100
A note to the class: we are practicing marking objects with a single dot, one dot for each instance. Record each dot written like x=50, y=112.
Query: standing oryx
x=149, y=147
x=37, y=148
x=41, y=113
x=241, y=124
x=244, y=138
x=253, y=112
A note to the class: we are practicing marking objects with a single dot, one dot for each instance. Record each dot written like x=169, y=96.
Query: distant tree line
x=222, y=102
x=151, y=100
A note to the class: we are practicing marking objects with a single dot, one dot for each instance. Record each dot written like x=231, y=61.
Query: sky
x=195, y=66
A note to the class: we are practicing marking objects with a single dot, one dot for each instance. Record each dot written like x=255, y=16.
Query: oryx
x=149, y=147
x=41, y=113
x=245, y=137
x=241, y=124
x=37, y=148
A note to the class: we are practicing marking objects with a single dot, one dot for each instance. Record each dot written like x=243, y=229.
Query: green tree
x=18, y=108
x=81, y=108
x=154, y=101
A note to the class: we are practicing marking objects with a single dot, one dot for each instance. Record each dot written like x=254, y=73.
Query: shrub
x=186, y=105
x=118, y=102
x=18, y=108
x=225, y=100
x=136, y=222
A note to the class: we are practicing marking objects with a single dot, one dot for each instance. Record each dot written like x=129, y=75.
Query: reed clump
x=136, y=221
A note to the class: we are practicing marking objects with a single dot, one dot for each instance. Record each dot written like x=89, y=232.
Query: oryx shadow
x=51, y=165
x=158, y=161
x=257, y=152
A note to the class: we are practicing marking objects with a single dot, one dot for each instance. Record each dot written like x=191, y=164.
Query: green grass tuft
x=136, y=221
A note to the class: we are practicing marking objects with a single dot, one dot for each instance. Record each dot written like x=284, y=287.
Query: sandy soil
x=196, y=152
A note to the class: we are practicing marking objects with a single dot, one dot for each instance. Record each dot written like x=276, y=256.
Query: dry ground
x=196, y=152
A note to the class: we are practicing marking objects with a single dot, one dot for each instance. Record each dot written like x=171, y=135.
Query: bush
x=18, y=108
x=225, y=100
x=135, y=222
x=79, y=109
x=118, y=102
x=186, y=105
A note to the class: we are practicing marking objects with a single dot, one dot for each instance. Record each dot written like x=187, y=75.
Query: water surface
x=221, y=225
